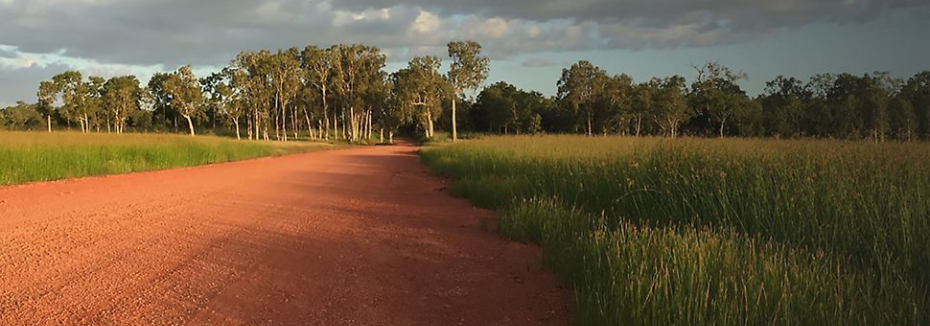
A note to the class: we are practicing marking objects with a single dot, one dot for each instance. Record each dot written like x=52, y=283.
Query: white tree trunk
x=455, y=133
x=236, y=122
x=190, y=124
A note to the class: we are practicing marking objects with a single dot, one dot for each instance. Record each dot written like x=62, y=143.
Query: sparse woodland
x=343, y=92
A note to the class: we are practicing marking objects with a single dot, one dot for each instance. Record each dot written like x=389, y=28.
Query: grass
x=726, y=232
x=27, y=157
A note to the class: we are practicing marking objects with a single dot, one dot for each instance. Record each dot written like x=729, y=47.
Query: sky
x=529, y=41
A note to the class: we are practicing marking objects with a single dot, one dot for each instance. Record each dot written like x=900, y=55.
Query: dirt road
x=360, y=236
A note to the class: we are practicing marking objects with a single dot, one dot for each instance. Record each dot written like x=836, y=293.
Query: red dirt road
x=360, y=236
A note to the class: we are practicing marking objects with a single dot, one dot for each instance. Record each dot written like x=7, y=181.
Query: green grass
x=726, y=232
x=27, y=157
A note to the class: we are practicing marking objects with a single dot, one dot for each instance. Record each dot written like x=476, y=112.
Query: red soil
x=360, y=236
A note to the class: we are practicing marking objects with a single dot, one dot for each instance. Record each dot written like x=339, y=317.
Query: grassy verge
x=27, y=157
x=725, y=232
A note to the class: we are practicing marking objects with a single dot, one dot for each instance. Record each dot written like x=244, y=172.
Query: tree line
x=590, y=101
x=342, y=92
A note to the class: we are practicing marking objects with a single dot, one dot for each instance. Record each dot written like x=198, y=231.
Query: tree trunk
x=382, y=136
x=391, y=137
x=49, y=123
x=325, y=112
x=455, y=134
x=590, y=128
x=236, y=122
x=722, y=125
x=284, y=120
x=190, y=124
x=309, y=123
x=429, y=124
x=249, y=126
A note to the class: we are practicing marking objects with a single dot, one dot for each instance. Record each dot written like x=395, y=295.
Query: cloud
x=137, y=35
x=15, y=89
x=538, y=63
x=175, y=32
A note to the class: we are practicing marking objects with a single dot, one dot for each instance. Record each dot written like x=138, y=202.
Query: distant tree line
x=589, y=101
x=342, y=92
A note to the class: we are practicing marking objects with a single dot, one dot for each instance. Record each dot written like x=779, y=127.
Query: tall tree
x=671, y=105
x=319, y=66
x=578, y=89
x=353, y=70
x=121, y=96
x=420, y=89
x=47, y=95
x=716, y=93
x=185, y=94
x=286, y=79
x=468, y=70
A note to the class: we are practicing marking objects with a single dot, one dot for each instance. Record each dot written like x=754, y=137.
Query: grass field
x=27, y=157
x=714, y=232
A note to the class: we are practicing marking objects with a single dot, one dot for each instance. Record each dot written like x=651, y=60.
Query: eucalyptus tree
x=917, y=92
x=467, y=71
x=70, y=87
x=223, y=99
x=353, y=70
x=318, y=64
x=250, y=73
x=286, y=78
x=579, y=87
x=186, y=97
x=122, y=96
x=783, y=106
x=47, y=96
x=716, y=93
x=642, y=103
x=420, y=90
x=614, y=102
x=671, y=105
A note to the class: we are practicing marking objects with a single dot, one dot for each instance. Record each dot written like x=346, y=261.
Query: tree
x=716, y=93
x=642, y=102
x=183, y=90
x=917, y=91
x=419, y=91
x=578, y=89
x=467, y=71
x=355, y=67
x=286, y=81
x=903, y=119
x=319, y=66
x=21, y=116
x=671, y=105
x=614, y=102
x=121, y=96
x=47, y=98
x=783, y=106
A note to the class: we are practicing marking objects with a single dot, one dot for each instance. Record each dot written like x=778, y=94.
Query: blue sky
x=529, y=41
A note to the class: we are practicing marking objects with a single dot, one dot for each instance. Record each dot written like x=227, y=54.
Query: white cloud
x=425, y=23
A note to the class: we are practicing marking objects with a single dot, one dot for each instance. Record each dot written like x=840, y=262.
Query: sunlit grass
x=728, y=232
x=27, y=157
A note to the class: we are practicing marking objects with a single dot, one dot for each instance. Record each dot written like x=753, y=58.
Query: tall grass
x=728, y=232
x=27, y=157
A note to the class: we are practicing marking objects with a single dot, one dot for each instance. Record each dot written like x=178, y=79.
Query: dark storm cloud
x=211, y=32
x=174, y=32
